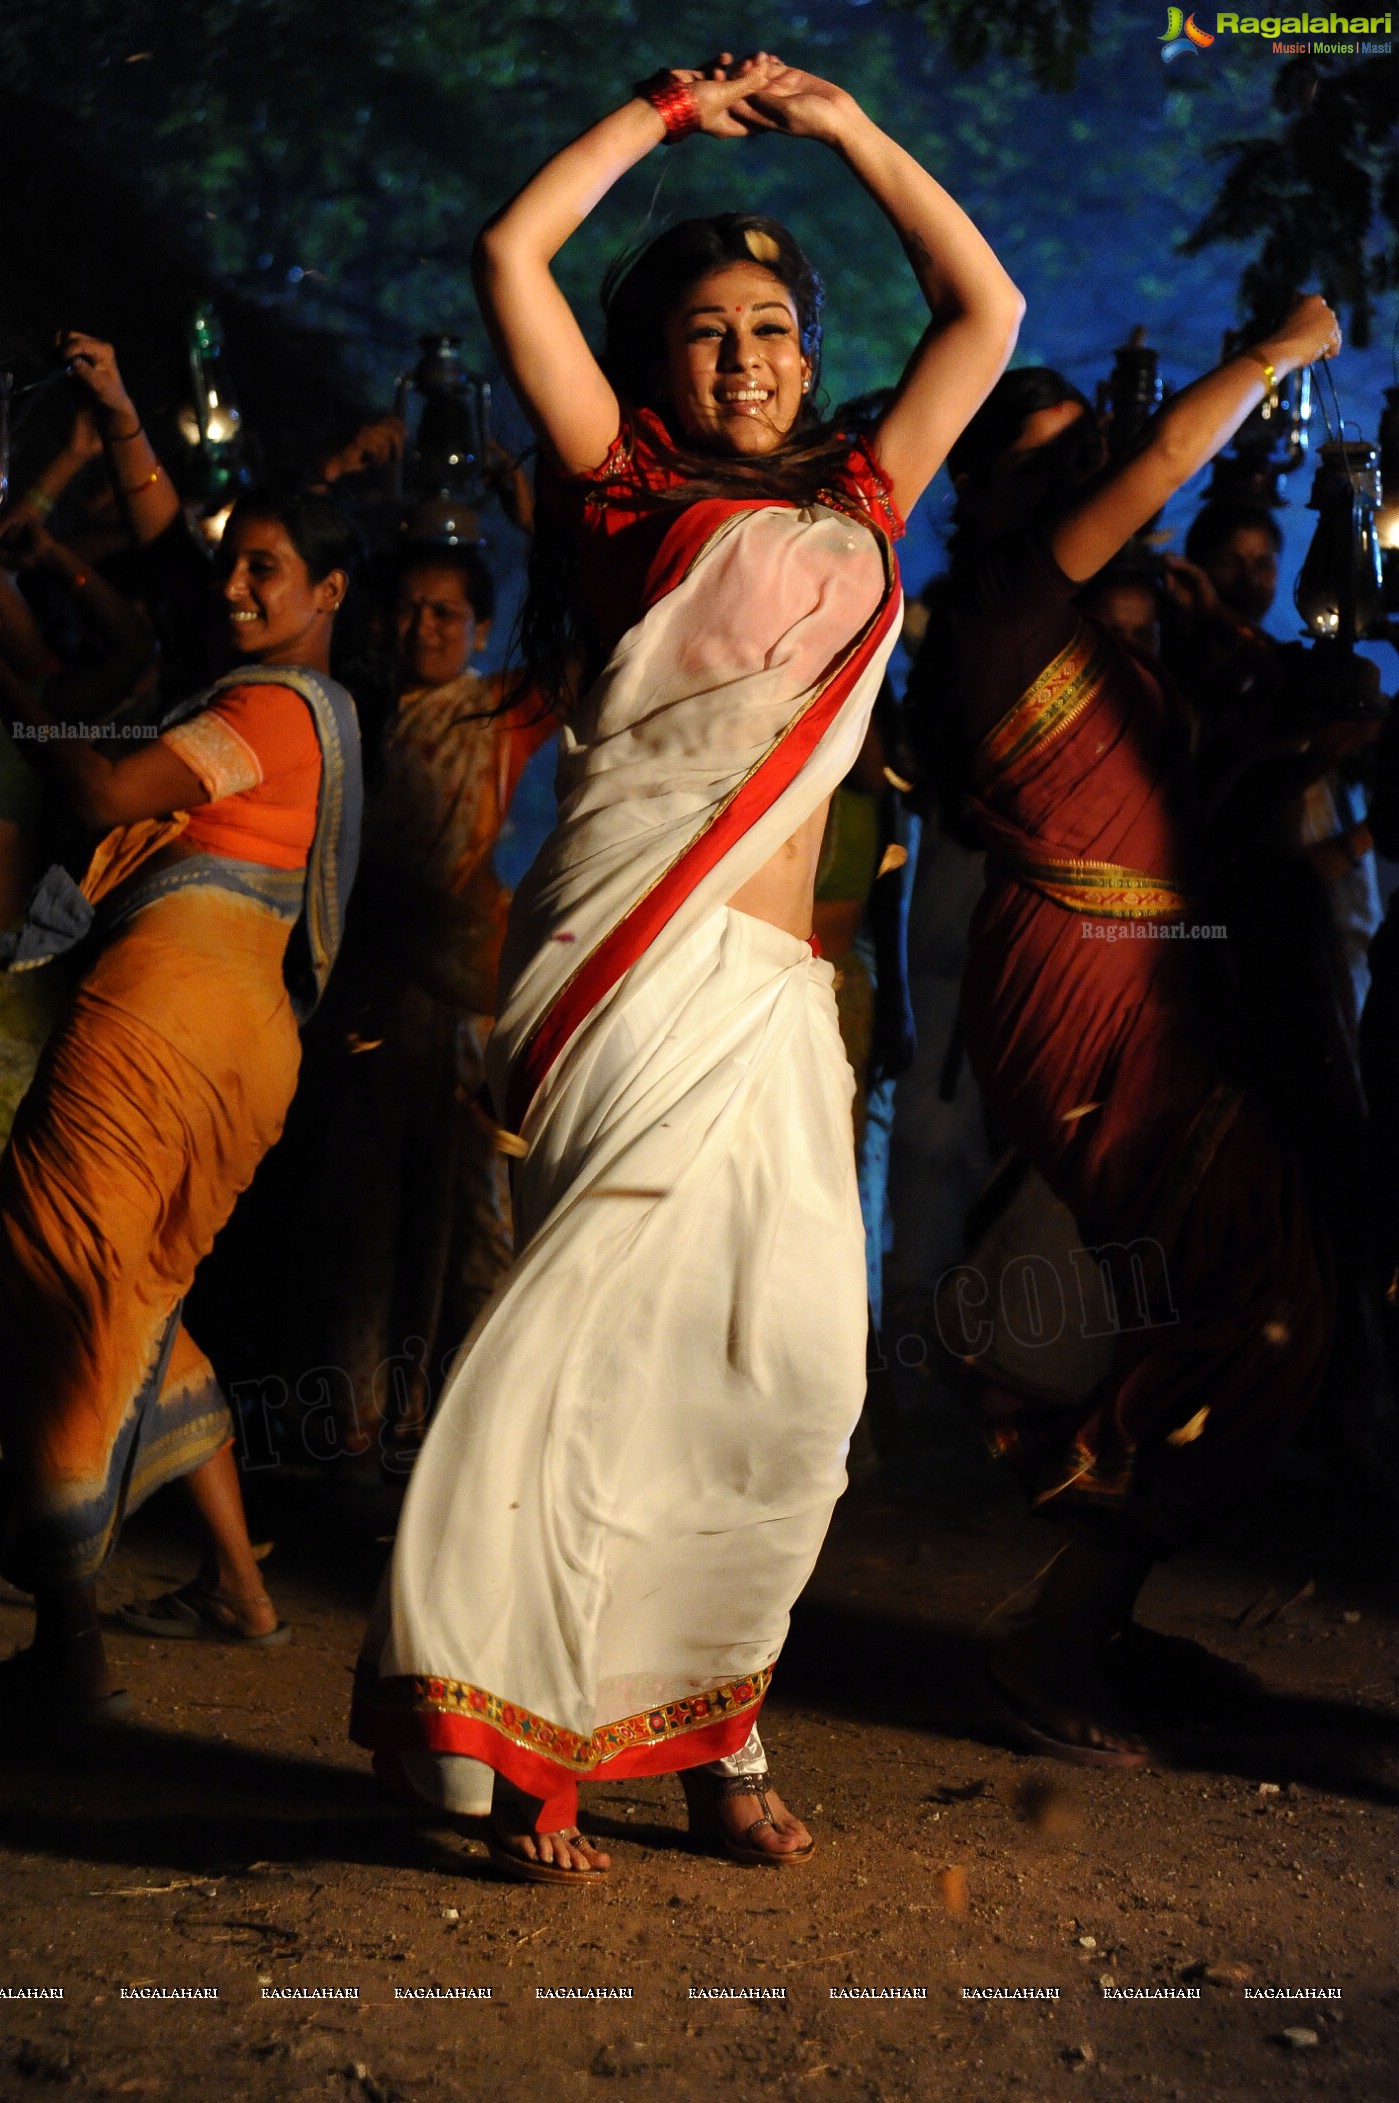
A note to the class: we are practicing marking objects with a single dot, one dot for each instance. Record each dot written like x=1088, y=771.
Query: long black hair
x=639, y=292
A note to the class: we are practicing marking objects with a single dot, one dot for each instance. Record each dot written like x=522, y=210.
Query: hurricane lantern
x=442, y=473
x=1339, y=589
x=1132, y=393
x=211, y=426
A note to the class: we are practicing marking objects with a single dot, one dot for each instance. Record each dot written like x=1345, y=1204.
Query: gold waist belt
x=1102, y=890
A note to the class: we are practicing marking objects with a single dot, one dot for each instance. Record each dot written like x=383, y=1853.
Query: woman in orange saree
x=1091, y=1040
x=216, y=899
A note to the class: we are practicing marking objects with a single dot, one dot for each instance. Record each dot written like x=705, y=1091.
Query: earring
x=806, y=386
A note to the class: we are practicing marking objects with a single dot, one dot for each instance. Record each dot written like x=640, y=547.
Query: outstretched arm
x=545, y=355
x=1196, y=425
x=975, y=307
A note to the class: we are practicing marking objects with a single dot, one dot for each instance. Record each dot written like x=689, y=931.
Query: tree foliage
x=1050, y=41
x=1317, y=199
x=331, y=159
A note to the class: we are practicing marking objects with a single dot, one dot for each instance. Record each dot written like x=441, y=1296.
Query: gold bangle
x=153, y=476
x=1270, y=378
x=39, y=501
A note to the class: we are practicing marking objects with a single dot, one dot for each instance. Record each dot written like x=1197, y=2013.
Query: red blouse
x=619, y=516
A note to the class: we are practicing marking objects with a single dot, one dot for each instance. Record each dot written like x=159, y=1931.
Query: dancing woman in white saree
x=632, y=1468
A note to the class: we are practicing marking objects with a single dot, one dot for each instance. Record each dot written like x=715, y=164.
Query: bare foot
x=1048, y=1674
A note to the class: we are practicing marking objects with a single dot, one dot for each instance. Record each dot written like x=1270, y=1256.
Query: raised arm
x=147, y=494
x=1187, y=434
x=543, y=351
x=975, y=307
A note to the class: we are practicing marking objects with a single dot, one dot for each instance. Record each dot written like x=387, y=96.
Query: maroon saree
x=1090, y=1038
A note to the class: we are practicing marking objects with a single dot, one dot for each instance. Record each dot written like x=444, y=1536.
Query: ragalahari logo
x=1183, y=34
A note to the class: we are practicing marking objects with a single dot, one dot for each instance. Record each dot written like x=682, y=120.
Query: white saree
x=633, y=1465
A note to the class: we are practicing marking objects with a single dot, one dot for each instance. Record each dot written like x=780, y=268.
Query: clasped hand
x=759, y=93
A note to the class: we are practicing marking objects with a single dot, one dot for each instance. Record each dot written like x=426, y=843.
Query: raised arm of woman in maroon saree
x=1200, y=420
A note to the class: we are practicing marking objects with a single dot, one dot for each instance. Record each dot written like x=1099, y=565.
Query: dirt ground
x=229, y=1837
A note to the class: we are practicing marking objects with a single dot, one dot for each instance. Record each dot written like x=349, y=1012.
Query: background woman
x=408, y=1229
x=631, y=1471
x=230, y=843
x=1095, y=1055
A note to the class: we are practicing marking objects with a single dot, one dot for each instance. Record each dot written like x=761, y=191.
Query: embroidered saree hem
x=543, y=1758
x=178, y=1423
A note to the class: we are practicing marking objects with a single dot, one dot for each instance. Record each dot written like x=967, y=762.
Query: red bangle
x=676, y=104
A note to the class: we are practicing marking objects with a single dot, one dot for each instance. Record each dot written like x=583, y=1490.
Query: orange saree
x=157, y=1096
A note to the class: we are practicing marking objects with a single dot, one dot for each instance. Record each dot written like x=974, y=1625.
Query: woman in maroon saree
x=1091, y=1040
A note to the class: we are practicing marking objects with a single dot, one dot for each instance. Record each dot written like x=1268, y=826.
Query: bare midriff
x=781, y=892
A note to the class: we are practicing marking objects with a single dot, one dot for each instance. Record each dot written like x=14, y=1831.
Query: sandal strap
x=723, y=1786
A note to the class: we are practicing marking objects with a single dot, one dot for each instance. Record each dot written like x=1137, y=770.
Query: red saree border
x=422, y=1713
x=755, y=795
